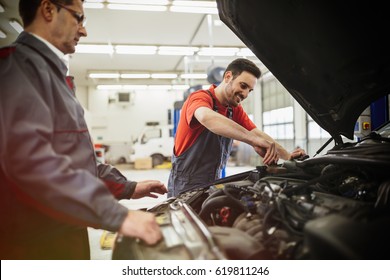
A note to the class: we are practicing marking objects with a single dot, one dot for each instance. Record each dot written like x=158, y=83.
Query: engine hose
x=214, y=194
x=290, y=191
x=227, y=193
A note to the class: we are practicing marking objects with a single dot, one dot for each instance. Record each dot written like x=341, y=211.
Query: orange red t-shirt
x=189, y=128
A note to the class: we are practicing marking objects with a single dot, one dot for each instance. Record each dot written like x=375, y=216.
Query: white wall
x=114, y=122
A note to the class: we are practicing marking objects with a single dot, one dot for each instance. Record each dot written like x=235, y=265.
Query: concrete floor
x=97, y=253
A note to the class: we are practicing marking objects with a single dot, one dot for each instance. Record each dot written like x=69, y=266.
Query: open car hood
x=333, y=58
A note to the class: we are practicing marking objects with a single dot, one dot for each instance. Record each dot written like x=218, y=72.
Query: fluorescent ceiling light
x=115, y=75
x=162, y=50
x=199, y=76
x=103, y=49
x=130, y=87
x=142, y=87
x=140, y=2
x=16, y=25
x=179, y=53
x=218, y=51
x=177, y=50
x=2, y=34
x=121, y=87
x=207, y=4
x=148, y=8
x=194, y=10
x=200, y=7
x=1, y=8
x=164, y=76
x=135, y=76
x=104, y=75
x=93, y=5
x=122, y=49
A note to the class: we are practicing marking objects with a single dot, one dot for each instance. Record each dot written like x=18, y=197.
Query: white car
x=155, y=141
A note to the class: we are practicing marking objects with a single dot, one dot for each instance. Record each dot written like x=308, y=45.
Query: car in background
x=155, y=141
x=334, y=59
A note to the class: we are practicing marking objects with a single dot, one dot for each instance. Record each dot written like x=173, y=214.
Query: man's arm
x=283, y=153
x=114, y=180
x=263, y=144
x=223, y=126
x=122, y=188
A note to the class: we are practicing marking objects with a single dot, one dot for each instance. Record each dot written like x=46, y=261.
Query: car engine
x=334, y=206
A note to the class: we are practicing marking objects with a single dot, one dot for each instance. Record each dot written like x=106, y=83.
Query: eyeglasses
x=81, y=18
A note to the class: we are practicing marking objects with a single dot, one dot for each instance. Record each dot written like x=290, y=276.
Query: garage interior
x=140, y=61
x=163, y=61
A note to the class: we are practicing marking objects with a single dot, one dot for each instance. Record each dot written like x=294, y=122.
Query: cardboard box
x=143, y=163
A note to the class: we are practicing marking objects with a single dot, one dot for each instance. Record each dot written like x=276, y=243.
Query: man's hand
x=298, y=153
x=267, y=150
x=141, y=225
x=149, y=188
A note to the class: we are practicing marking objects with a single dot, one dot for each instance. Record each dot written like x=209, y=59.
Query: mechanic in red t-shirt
x=209, y=121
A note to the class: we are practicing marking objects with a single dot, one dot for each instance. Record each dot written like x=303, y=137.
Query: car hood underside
x=332, y=57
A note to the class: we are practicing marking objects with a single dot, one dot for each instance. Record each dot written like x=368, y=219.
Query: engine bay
x=334, y=206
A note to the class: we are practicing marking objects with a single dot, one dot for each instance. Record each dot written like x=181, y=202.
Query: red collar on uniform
x=70, y=83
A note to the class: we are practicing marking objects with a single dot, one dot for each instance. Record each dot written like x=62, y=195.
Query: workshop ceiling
x=109, y=27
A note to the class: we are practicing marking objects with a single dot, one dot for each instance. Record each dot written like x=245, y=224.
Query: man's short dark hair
x=240, y=65
x=28, y=9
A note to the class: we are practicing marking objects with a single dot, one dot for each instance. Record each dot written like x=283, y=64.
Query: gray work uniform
x=49, y=190
x=201, y=163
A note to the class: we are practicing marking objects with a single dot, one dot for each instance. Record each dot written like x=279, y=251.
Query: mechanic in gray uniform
x=49, y=187
x=209, y=121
